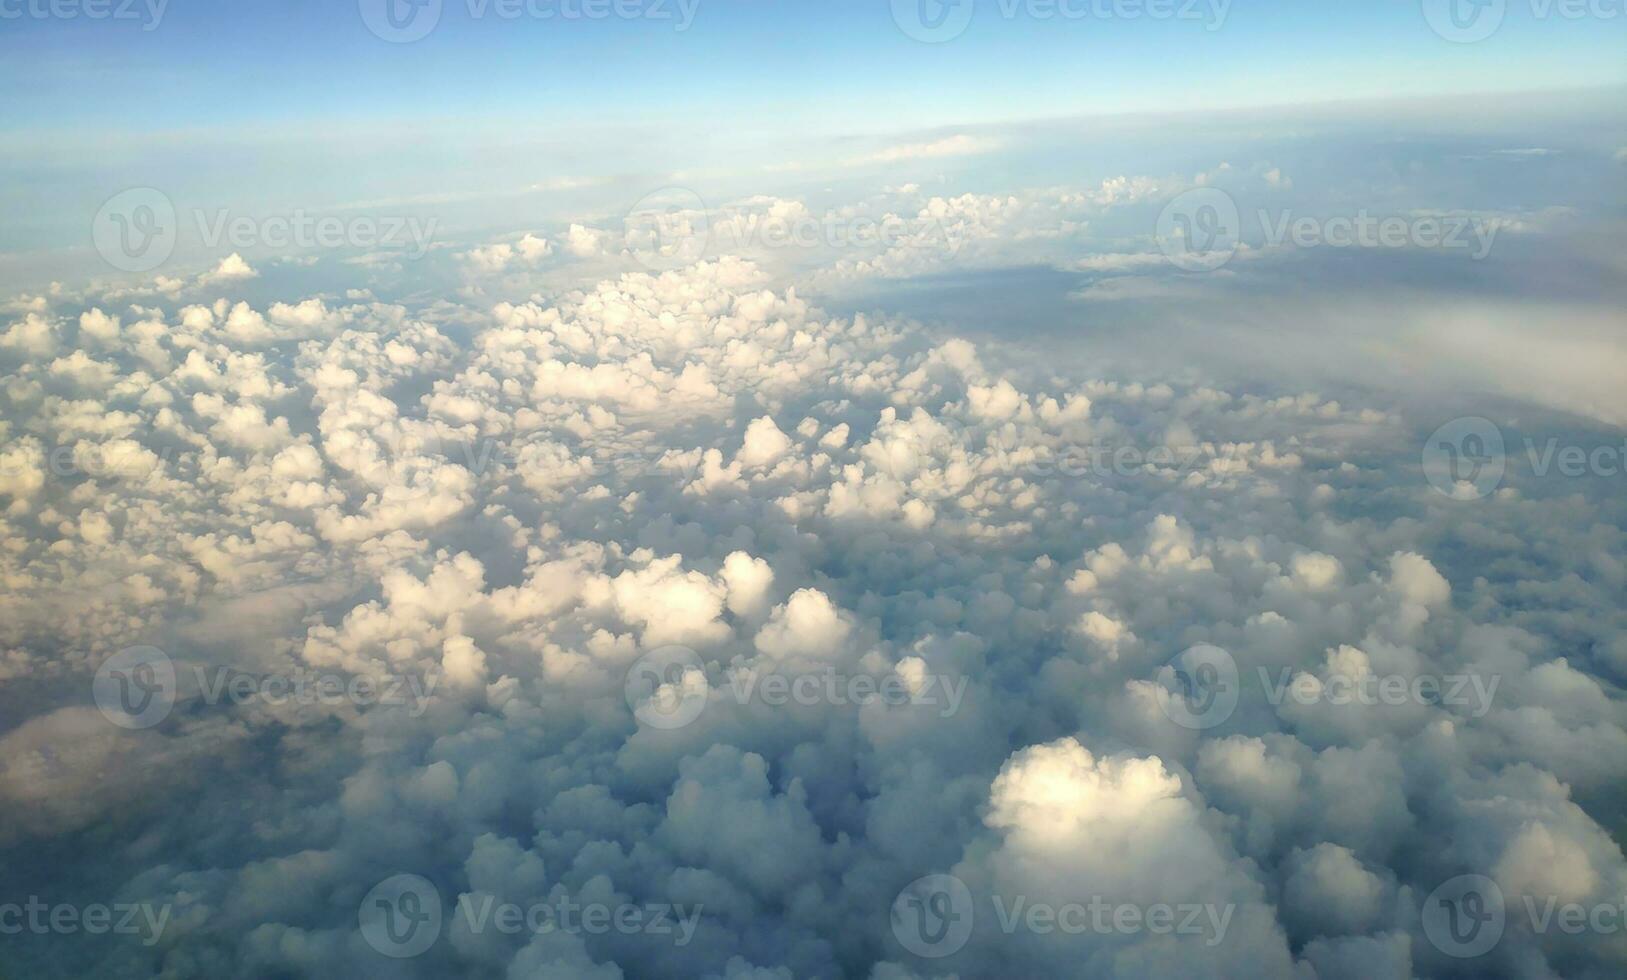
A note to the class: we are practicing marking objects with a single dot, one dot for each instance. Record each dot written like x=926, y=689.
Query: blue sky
x=261, y=105
x=245, y=65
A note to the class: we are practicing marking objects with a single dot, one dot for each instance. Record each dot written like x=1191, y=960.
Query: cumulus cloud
x=232, y=268
x=500, y=256
x=704, y=598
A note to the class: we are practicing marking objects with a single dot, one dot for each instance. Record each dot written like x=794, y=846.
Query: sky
x=862, y=489
x=265, y=105
x=242, y=65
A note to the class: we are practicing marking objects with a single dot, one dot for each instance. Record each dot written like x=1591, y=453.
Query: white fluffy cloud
x=520, y=499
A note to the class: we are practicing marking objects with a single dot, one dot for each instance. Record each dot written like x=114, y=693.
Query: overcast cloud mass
x=1175, y=532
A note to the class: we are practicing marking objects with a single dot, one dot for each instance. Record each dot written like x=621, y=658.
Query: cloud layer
x=708, y=602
